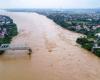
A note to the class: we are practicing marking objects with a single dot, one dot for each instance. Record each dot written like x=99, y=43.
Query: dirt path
x=55, y=55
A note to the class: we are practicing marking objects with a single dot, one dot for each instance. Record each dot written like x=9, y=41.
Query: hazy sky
x=49, y=3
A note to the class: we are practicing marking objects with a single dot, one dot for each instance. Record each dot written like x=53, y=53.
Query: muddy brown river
x=55, y=54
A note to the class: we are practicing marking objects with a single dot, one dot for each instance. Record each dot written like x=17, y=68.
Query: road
x=55, y=55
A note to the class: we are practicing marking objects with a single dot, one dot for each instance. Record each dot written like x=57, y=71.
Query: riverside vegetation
x=8, y=29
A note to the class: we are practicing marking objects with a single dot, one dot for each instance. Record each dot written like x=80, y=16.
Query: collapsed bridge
x=5, y=47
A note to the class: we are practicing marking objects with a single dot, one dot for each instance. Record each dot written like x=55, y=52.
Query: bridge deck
x=15, y=48
x=4, y=47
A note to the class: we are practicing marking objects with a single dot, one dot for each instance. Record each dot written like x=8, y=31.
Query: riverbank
x=55, y=56
x=8, y=30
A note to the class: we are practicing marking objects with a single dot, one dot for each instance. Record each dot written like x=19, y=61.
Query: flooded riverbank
x=55, y=55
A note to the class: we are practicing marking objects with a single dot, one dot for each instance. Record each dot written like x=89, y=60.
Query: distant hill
x=97, y=10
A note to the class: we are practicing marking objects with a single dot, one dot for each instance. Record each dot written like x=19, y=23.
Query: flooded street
x=55, y=55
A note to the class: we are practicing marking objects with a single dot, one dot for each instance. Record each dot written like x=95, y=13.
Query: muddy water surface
x=55, y=55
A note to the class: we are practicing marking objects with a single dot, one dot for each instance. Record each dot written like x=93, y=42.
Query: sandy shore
x=55, y=55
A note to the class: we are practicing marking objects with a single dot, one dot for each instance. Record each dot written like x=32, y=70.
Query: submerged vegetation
x=8, y=30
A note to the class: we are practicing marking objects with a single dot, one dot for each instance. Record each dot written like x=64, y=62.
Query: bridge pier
x=30, y=51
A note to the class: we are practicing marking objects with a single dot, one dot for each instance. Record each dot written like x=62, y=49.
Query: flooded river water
x=55, y=54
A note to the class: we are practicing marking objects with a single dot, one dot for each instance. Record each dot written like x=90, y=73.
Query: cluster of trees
x=88, y=43
x=85, y=42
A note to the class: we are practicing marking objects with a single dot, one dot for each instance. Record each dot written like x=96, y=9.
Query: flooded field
x=55, y=54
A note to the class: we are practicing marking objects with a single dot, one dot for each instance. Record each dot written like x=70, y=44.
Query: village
x=4, y=21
